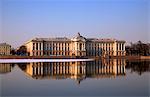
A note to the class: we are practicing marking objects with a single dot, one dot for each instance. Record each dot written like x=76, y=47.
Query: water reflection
x=79, y=70
x=5, y=68
x=115, y=76
x=138, y=66
x=75, y=70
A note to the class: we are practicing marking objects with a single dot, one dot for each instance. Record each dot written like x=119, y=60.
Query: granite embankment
x=35, y=57
x=137, y=57
x=73, y=57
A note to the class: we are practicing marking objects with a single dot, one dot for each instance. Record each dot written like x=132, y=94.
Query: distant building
x=77, y=46
x=5, y=49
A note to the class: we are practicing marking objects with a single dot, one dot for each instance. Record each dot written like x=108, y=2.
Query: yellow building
x=77, y=46
x=5, y=49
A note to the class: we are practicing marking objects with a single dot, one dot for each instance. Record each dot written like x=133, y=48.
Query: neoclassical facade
x=77, y=46
x=5, y=49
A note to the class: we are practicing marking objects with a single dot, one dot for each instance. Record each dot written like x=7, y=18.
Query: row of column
x=37, y=46
x=120, y=47
x=57, y=46
x=80, y=45
x=39, y=69
x=103, y=46
x=106, y=69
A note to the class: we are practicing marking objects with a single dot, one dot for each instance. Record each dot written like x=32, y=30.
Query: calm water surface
x=116, y=77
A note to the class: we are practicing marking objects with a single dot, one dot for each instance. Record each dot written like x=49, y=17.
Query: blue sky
x=21, y=20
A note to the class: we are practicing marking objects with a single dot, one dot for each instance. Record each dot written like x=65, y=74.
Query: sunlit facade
x=77, y=46
x=5, y=49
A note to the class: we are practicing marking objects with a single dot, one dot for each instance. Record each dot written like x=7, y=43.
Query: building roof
x=103, y=40
x=78, y=37
x=51, y=39
x=4, y=44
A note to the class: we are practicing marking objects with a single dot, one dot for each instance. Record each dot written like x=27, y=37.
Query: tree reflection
x=138, y=66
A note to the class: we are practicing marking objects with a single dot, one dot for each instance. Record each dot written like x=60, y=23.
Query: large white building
x=77, y=46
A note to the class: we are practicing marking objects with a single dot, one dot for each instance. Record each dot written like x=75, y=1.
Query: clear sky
x=21, y=20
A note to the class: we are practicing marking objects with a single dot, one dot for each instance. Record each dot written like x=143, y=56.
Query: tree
x=12, y=52
x=138, y=48
x=22, y=50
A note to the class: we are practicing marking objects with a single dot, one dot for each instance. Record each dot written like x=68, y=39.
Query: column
x=38, y=48
x=34, y=49
x=118, y=69
x=121, y=51
x=121, y=68
x=41, y=68
x=101, y=69
x=105, y=69
x=41, y=48
x=60, y=68
x=121, y=46
x=77, y=46
x=52, y=68
x=124, y=49
x=117, y=49
x=124, y=68
x=82, y=46
x=64, y=68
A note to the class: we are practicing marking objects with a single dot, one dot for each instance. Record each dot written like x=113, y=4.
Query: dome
x=78, y=37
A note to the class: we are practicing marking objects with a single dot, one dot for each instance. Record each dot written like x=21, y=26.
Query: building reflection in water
x=76, y=70
x=5, y=68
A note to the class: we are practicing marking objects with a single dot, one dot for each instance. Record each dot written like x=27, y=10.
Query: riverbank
x=137, y=57
x=74, y=57
x=36, y=57
x=42, y=60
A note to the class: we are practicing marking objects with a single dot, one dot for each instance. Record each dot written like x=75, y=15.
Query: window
x=36, y=46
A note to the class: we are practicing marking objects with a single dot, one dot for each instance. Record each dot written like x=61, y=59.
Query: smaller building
x=5, y=49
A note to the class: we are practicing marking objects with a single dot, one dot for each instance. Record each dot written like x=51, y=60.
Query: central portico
x=78, y=45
